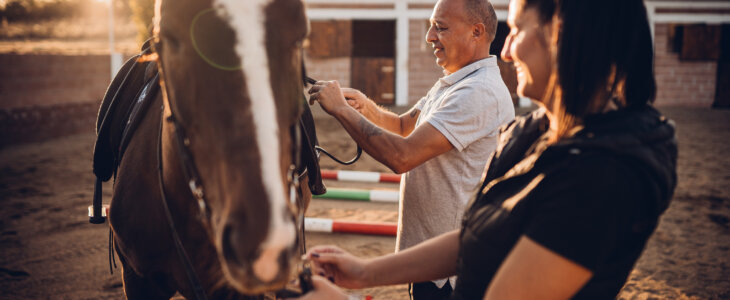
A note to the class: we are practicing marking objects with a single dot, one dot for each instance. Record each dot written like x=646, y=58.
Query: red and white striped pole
x=333, y=226
x=360, y=176
x=330, y=226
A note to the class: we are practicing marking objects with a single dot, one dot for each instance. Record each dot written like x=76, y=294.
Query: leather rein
x=319, y=149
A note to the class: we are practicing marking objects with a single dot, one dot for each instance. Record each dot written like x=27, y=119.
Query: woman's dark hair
x=604, y=50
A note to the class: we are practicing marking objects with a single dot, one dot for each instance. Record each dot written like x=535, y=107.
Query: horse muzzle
x=255, y=269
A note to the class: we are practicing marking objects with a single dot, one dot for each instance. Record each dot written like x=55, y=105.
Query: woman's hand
x=338, y=266
x=323, y=289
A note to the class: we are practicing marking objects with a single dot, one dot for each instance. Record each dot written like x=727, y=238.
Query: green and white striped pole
x=361, y=195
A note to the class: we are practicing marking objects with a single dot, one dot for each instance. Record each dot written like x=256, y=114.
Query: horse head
x=232, y=78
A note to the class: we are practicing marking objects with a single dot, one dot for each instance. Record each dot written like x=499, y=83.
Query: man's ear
x=478, y=30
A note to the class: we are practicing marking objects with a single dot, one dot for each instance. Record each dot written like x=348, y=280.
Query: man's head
x=461, y=32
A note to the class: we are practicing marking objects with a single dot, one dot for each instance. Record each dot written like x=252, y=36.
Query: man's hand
x=337, y=265
x=328, y=94
x=360, y=102
x=323, y=289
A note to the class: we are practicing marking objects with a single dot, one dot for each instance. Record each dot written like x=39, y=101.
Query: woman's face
x=527, y=46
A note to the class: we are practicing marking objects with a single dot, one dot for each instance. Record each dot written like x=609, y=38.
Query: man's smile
x=437, y=49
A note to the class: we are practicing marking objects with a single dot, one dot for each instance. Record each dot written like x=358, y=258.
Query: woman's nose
x=507, y=49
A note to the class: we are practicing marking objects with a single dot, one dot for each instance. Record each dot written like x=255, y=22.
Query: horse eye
x=157, y=45
x=171, y=42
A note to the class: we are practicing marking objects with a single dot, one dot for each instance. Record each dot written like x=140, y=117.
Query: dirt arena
x=49, y=250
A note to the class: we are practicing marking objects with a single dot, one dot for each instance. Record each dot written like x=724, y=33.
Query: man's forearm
x=430, y=260
x=384, y=119
x=386, y=147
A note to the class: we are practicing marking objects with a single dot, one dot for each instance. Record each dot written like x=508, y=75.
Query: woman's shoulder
x=613, y=183
x=525, y=128
x=535, y=120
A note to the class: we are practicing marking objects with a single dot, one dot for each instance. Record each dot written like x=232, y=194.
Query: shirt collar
x=468, y=69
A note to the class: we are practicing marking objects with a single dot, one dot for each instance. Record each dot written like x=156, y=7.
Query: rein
x=197, y=192
x=319, y=149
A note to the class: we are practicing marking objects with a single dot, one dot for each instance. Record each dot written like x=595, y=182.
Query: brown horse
x=231, y=80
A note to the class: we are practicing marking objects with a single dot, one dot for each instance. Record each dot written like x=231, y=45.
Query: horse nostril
x=234, y=247
x=229, y=251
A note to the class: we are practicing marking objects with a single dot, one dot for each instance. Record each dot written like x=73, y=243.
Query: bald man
x=443, y=142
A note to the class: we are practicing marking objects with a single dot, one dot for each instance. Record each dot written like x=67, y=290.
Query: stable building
x=379, y=47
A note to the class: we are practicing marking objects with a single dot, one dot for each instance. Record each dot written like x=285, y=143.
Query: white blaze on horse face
x=247, y=20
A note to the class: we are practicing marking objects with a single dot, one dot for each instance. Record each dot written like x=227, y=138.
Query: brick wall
x=422, y=68
x=337, y=68
x=681, y=83
x=45, y=96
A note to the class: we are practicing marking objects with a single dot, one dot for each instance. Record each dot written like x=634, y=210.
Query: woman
x=574, y=190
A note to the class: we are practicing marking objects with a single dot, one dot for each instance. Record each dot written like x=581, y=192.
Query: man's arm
x=398, y=153
x=401, y=125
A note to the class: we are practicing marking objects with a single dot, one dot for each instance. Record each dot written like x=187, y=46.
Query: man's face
x=451, y=35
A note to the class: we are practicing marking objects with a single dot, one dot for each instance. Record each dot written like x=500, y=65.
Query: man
x=444, y=141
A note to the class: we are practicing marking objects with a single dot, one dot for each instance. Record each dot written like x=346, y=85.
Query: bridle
x=195, y=183
x=196, y=186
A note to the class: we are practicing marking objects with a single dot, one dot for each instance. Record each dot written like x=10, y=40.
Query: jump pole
x=330, y=226
x=360, y=176
x=360, y=195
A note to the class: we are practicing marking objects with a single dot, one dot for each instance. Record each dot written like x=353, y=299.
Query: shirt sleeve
x=581, y=216
x=466, y=114
x=419, y=104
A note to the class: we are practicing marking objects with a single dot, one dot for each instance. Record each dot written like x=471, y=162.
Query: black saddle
x=125, y=103
x=123, y=106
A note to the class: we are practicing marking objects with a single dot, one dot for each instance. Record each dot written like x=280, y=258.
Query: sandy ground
x=49, y=250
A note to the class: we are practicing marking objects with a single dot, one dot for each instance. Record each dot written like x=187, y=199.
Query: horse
x=211, y=163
